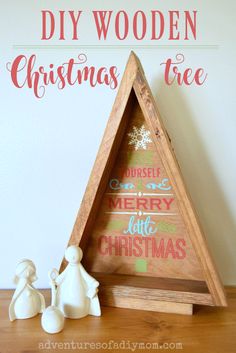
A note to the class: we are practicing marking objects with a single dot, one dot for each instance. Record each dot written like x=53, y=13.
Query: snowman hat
x=23, y=265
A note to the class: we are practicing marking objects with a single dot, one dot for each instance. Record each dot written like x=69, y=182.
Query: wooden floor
x=209, y=330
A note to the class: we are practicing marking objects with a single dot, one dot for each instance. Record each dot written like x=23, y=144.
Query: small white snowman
x=52, y=320
x=76, y=294
x=27, y=301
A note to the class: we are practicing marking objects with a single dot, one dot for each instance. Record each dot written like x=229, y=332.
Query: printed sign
x=139, y=229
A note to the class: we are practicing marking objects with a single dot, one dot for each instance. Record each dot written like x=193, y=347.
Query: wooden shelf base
x=155, y=294
x=150, y=305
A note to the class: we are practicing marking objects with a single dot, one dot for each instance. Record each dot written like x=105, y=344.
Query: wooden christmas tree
x=137, y=225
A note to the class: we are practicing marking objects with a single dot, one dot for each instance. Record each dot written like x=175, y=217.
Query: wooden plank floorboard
x=210, y=329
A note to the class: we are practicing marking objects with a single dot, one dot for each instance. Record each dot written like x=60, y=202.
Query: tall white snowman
x=76, y=293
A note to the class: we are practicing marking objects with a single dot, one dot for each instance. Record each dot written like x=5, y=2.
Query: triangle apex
x=132, y=53
x=134, y=59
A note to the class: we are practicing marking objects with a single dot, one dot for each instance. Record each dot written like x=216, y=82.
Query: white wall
x=48, y=146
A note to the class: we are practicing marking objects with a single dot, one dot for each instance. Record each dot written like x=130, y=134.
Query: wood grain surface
x=135, y=101
x=210, y=329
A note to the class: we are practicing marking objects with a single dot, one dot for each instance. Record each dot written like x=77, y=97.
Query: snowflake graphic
x=139, y=137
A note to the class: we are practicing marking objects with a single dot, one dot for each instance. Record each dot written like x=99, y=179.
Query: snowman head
x=25, y=269
x=73, y=254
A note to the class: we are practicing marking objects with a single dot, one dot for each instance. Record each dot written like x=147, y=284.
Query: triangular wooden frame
x=116, y=294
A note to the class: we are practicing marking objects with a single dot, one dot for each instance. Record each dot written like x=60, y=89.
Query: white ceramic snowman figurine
x=52, y=320
x=27, y=301
x=76, y=294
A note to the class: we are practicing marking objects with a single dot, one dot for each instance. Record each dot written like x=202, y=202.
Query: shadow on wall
x=206, y=192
